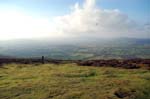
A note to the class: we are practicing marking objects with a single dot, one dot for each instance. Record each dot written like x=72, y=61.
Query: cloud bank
x=15, y=24
x=88, y=20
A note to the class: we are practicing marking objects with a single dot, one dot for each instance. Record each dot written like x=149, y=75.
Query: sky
x=68, y=18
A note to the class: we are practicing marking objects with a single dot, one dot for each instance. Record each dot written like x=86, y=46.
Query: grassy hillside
x=68, y=81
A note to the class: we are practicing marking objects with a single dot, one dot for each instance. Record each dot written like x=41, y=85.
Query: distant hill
x=88, y=48
x=2, y=56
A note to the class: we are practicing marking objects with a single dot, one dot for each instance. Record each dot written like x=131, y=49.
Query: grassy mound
x=68, y=81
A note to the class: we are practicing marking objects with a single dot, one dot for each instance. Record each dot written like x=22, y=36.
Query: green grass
x=68, y=81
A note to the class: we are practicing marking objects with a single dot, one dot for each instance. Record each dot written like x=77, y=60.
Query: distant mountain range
x=118, y=48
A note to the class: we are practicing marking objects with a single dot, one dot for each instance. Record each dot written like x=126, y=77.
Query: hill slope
x=68, y=81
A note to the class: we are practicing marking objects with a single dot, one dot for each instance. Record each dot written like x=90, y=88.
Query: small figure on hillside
x=43, y=61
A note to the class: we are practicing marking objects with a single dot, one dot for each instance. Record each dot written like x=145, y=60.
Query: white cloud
x=88, y=20
x=83, y=21
x=15, y=24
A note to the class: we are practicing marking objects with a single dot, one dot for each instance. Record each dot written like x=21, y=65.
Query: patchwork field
x=69, y=81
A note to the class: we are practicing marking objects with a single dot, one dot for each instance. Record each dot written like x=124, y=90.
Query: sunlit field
x=69, y=81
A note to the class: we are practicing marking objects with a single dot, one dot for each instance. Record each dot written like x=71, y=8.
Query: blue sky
x=136, y=9
x=61, y=18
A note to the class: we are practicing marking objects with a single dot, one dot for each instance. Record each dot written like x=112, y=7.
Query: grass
x=68, y=81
